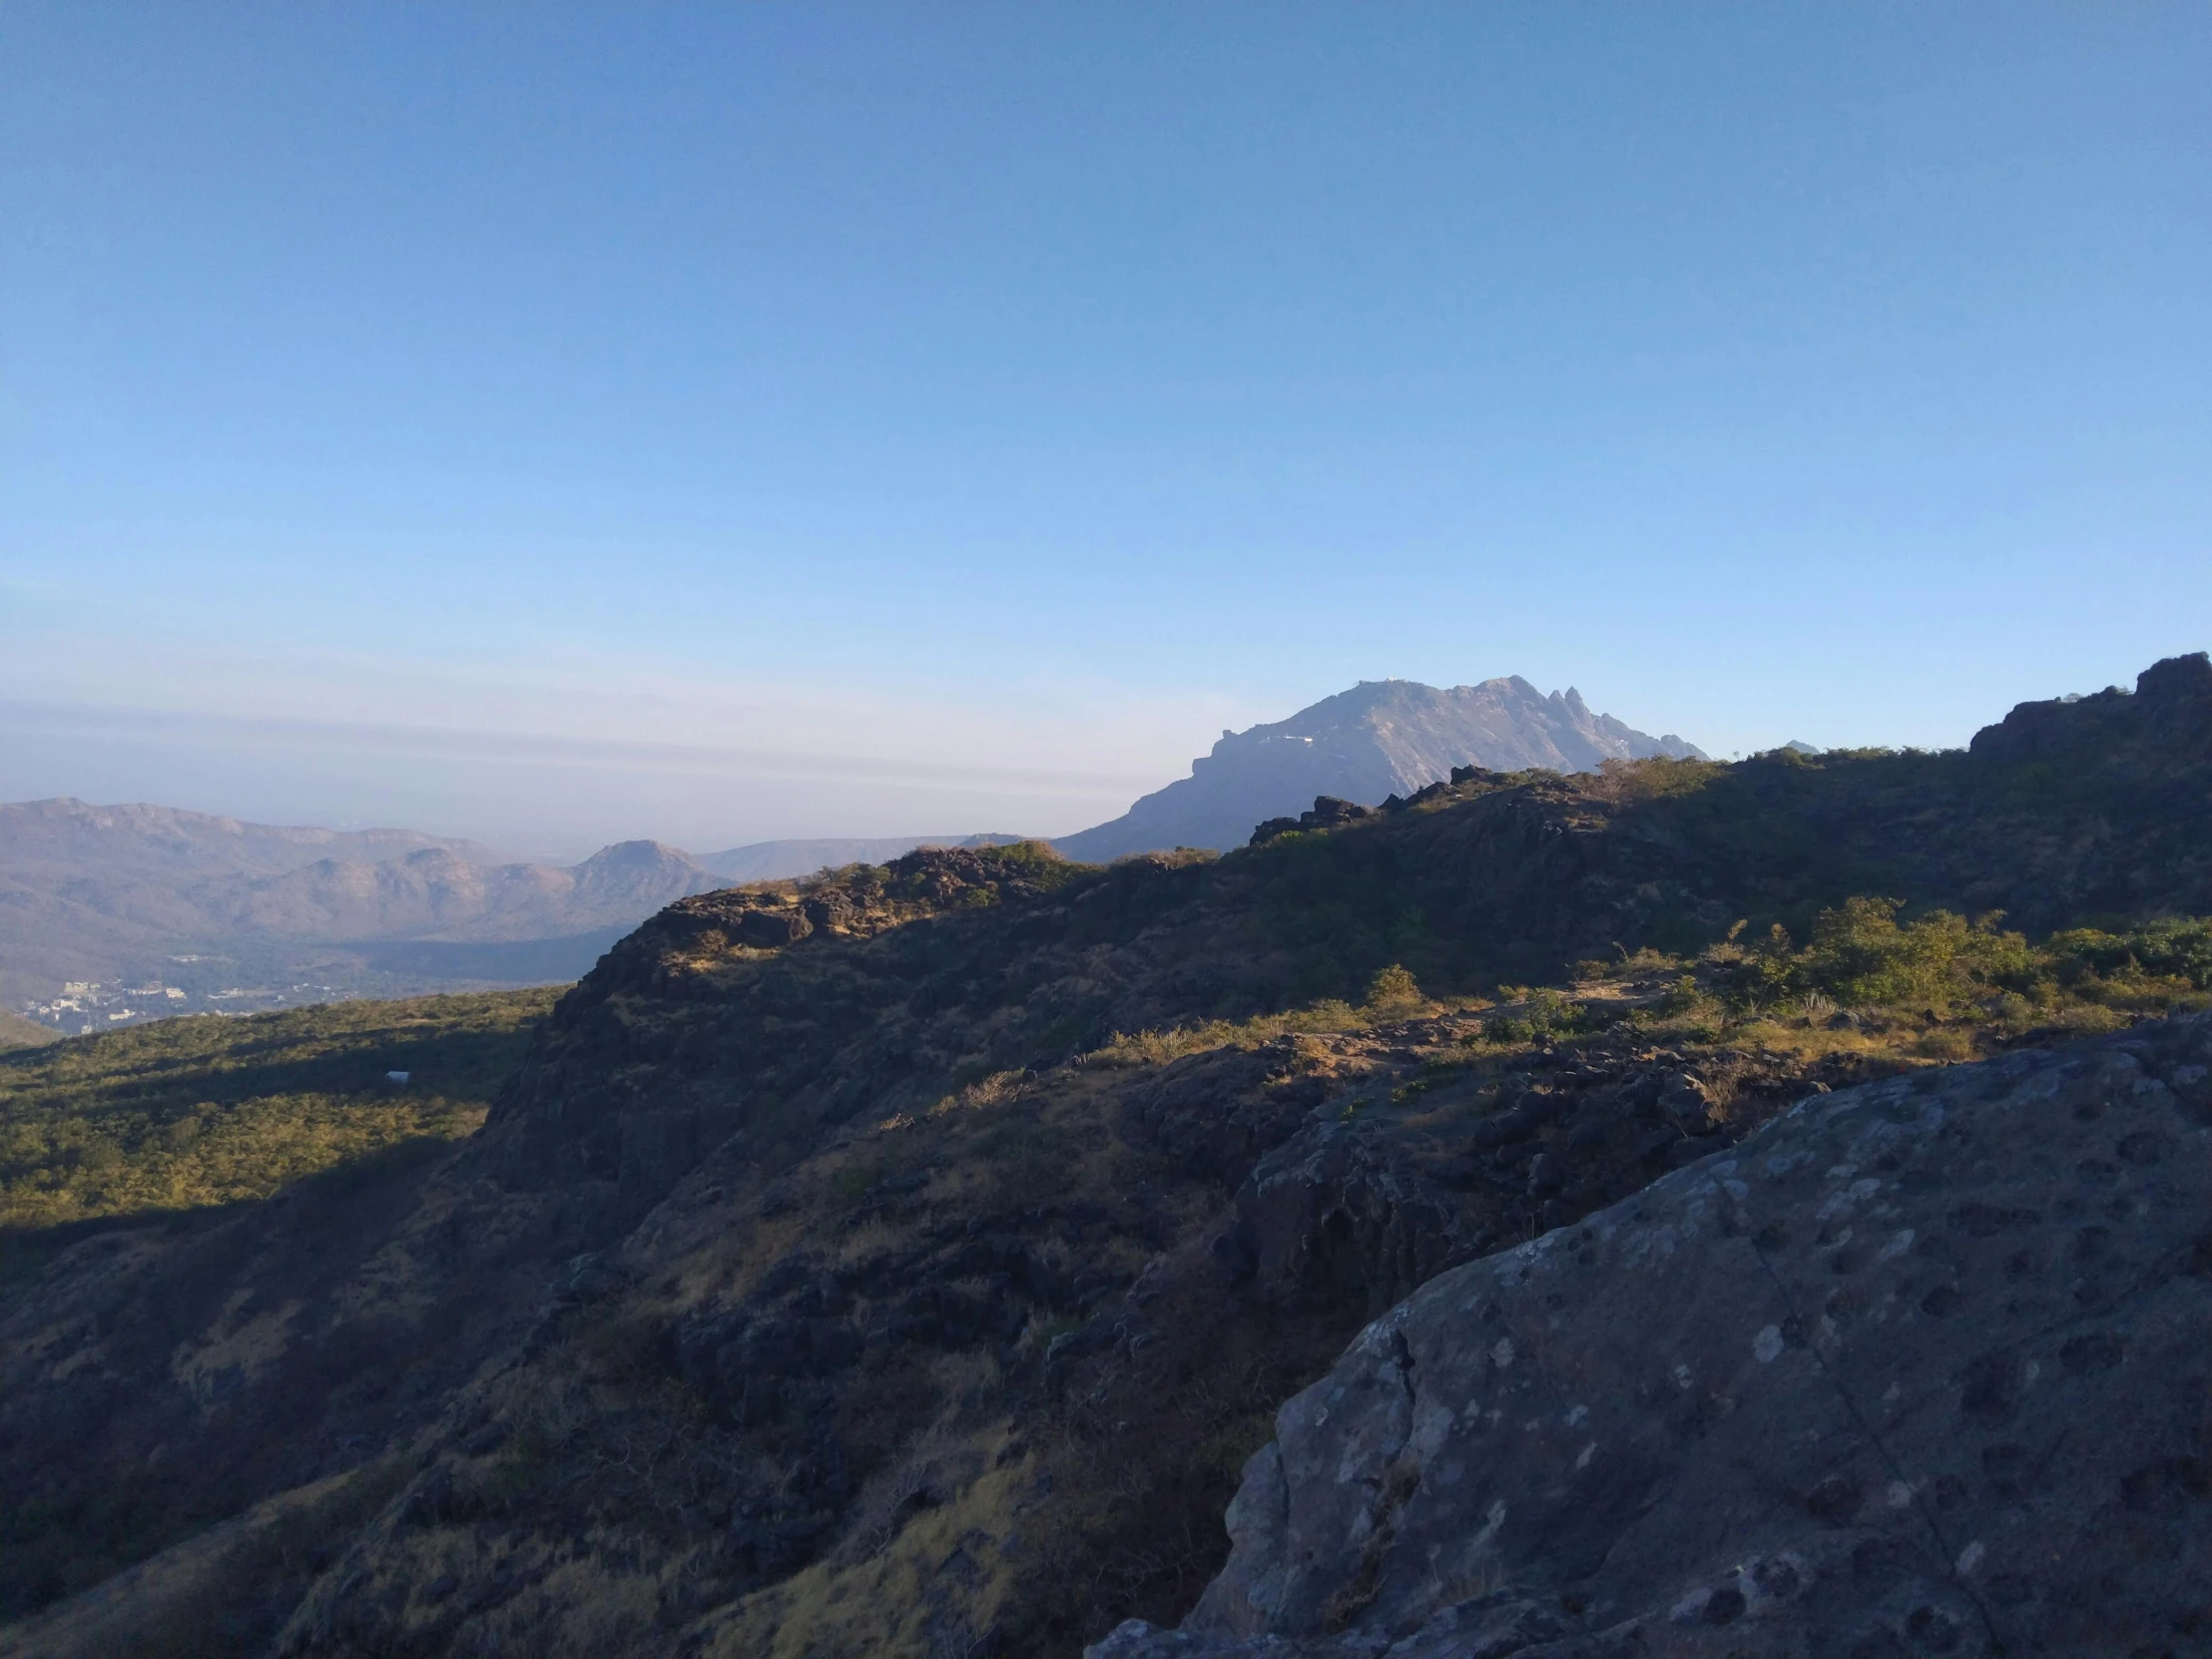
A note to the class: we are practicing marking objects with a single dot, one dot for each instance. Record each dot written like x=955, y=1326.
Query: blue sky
x=553, y=423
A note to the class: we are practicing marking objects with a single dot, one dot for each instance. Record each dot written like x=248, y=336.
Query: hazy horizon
x=554, y=427
x=678, y=792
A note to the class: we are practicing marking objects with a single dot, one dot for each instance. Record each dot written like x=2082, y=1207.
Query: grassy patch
x=187, y=1113
x=1392, y=996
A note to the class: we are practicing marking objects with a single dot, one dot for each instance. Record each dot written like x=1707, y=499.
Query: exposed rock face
x=1381, y=738
x=2169, y=714
x=1919, y=1367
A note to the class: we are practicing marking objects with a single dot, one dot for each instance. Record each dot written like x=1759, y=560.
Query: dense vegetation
x=185, y=1113
x=1861, y=956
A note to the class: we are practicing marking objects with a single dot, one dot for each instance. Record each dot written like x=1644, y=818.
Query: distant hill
x=435, y=894
x=776, y=861
x=211, y=908
x=17, y=1032
x=1381, y=738
x=167, y=844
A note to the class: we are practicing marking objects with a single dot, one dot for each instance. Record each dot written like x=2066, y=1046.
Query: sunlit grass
x=190, y=1113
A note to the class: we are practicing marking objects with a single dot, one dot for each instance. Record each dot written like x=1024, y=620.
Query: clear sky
x=559, y=423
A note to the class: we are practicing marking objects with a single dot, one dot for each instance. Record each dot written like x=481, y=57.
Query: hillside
x=1381, y=738
x=908, y=1261
x=17, y=1033
x=190, y=1114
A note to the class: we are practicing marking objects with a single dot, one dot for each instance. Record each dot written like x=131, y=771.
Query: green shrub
x=1549, y=1015
x=2178, y=950
x=1393, y=990
x=1861, y=957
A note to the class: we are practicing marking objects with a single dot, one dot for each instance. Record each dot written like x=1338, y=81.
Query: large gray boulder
x=1921, y=1367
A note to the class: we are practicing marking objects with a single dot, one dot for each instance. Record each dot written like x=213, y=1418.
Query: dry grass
x=928, y=1585
x=1392, y=998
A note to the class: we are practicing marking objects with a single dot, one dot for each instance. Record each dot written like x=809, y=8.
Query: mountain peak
x=1377, y=739
x=638, y=855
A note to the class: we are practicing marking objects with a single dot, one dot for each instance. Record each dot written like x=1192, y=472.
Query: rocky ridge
x=1382, y=738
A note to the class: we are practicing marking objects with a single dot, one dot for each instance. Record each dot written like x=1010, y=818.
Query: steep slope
x=832, y=1278
x=1381, y=738
x=781, y=860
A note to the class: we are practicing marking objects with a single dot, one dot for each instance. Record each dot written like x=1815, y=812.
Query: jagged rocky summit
x=1381, y=738
x=1917, y=1369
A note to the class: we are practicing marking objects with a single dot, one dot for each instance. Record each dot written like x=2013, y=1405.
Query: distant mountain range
x=153, y=910
x=1381, y=738
x=775, y=861
x=171, y=912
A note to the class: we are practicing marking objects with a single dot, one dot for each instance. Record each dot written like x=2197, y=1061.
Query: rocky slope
x=832, y=1278
x=1032, y=1329
x=1381, y=738
x=1918, y=1368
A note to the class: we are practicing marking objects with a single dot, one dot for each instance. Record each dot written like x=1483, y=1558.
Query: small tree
x=1393, y=990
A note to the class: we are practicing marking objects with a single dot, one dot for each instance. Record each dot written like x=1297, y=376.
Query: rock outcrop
x=1919, y=1368
x=2167, y=719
